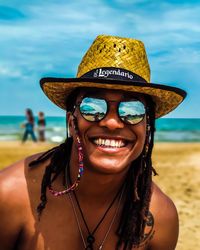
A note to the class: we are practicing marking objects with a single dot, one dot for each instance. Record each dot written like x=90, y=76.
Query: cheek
x=140, y=132
x=82, y=126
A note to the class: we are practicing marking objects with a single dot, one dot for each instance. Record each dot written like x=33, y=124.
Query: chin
x=107, y=166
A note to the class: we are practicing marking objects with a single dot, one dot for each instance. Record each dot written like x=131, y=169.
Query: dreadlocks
x=138, y=190
x=138, y=182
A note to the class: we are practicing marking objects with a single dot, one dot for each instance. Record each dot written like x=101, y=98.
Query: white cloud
x=10, y=72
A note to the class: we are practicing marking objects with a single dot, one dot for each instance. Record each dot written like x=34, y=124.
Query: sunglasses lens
x=131, y=112
x=93, y=109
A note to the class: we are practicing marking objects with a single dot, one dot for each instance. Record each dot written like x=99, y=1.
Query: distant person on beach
x=29, y=126
x=41, y=126
x=95, y=190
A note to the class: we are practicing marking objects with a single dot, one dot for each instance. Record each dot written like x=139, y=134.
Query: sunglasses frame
x=108, y=108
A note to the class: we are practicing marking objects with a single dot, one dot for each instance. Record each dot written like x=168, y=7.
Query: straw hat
x=115, y=63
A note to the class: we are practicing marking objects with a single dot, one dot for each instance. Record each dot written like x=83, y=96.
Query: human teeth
x=109, y=142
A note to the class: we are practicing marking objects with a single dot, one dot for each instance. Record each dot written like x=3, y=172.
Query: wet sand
x=178, y=165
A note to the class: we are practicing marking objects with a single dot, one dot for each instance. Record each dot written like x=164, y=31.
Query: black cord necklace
x=90, y=237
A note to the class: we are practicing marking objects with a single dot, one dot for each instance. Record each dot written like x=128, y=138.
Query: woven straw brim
x=165, y=97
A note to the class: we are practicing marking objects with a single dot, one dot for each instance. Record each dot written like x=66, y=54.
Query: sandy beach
x=178, y=166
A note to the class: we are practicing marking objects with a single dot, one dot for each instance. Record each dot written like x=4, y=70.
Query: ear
x=69, y=117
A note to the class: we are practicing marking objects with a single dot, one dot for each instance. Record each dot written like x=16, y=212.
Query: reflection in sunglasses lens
x=93, y=109
x=131, y=112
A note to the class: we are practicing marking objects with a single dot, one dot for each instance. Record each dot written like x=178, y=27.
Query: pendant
x=90, y=241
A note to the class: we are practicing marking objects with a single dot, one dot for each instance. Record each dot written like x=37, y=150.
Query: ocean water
x=167, y=129
x=11, y=128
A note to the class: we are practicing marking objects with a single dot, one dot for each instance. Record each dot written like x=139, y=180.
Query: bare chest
x=60, y=231
x=58, y=228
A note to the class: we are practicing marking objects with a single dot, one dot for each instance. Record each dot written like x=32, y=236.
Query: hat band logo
x=113, y=73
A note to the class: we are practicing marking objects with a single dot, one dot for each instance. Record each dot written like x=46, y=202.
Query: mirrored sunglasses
x=95, y=109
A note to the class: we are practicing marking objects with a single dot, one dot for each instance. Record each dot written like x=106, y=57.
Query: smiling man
x=96, y=188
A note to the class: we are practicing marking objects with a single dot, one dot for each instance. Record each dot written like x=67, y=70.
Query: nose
x=112, y=120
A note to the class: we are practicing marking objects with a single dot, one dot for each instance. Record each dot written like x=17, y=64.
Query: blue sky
x=49, y=38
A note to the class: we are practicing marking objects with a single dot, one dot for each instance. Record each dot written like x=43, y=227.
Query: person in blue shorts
x=29, y=126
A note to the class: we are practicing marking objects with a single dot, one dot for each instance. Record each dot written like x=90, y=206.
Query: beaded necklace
x=80, y=167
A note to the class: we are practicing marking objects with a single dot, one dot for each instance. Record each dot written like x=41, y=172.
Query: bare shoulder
x=165, y=220
x=15, y=181
x=161, y=204
x=14, y=200
x=13, y=177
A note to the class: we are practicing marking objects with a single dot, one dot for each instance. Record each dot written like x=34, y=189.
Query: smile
x=111, y=143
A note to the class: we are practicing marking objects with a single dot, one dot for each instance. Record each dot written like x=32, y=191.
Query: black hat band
x=113, y=73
